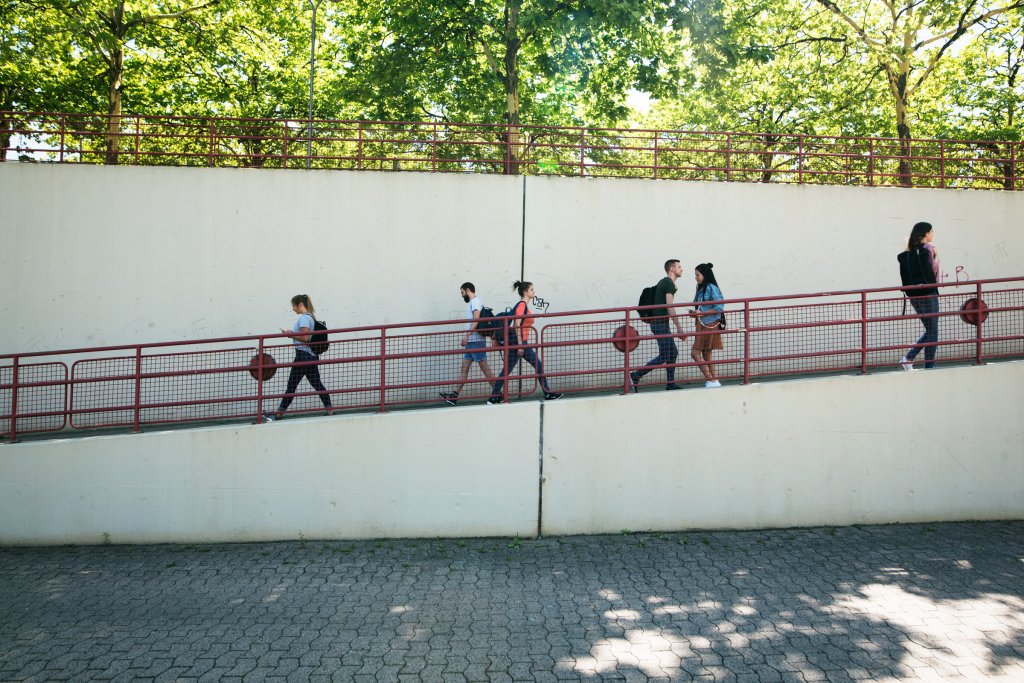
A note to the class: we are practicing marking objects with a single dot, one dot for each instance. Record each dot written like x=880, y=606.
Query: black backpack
x=916, y=269
x=493, y=325
x=647, y=299
x=318, y=343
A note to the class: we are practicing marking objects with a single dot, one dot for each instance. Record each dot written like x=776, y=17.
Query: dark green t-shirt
x=664, y=286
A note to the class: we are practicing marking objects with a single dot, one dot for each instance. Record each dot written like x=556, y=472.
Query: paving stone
x=799, y=605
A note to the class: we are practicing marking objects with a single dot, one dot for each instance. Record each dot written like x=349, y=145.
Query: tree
x=106, y=28
x=907, y=40
x=496, y=60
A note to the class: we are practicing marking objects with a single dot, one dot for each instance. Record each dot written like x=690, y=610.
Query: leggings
x=310, y=372
x=530, y=356
x=926, y=306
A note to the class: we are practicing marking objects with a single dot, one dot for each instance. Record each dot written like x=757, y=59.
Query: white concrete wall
x=410, y=474
x=93, y=255
x=889, y=447
x=893, y=447
x=597, y=243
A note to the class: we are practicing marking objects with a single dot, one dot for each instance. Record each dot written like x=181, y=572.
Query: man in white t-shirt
x=475, y=343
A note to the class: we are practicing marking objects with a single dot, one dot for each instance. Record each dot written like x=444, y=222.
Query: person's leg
x=313, y=375
x=294, y=377
x=513, y=362
x=710, y=366
x=698, y=356
x=931, y=330
x=921, y=309
x=658, y=327
x=671, y=353
x=463, y=375
x=530, y=356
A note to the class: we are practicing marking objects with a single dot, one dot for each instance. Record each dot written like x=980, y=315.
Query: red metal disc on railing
x=625, y=336
x=268, y=369
x=974, y=311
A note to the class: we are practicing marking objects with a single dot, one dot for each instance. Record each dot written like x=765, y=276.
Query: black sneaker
x=551, y=396
x=633, y=379
x=672, y=387
x=450, y=397
x=494, y=400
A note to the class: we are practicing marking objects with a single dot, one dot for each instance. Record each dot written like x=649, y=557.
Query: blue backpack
x=494, y=325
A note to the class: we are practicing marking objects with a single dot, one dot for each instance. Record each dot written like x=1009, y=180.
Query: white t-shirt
x=474, y=305
x=304, y=320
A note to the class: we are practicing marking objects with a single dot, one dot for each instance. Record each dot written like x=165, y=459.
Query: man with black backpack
x=657, y=318
x=473, y=341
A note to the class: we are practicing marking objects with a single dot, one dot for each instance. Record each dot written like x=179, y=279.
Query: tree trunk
x=512, y=45
x=903, y=131
x=114, y=105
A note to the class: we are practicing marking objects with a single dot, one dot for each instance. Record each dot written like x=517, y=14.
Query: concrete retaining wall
x=889, y=447
x=93, y=255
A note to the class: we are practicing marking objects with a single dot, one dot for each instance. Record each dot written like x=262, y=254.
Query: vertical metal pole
x=312, y=66
x=14, y=403
x=505, y=373
x=626, y=353
x=655, y=156
x=434, y=150
x=1013, y=167
x=942, y=164
x=871, y=162
x=728, y=156
x=863, y=333
x=209, y=159
x=508, y=149
x=746, y=342
x=259, y=383
x=359, y=156
x=63, y=126
x=138, y=387
x=978, y=331
x=583, y=154
x=383, y=368
x=137, y=124
x=800, y=159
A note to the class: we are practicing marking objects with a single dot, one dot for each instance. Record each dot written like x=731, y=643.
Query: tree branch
x=832, y=7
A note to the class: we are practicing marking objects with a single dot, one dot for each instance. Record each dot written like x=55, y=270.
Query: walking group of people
x=920, y=260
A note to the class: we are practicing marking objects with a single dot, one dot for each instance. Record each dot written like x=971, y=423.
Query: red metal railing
x=377, y=368
x=500, y=148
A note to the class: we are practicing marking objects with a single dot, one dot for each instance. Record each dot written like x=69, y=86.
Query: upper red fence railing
x=504, y=149
x=377, y=368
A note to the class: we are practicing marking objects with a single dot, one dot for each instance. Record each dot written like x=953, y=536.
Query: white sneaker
x=906, y=364
x=269, y=417
x=711, y=384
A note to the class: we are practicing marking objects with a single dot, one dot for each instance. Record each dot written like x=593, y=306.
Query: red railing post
x=942, y=164
x=1013, y=167
x=746, y=342
x=583, y=154
x=626, y=340
x=259, y=384
x=284, y=144
x=871, y=162
x=508, y=149
x=863, y=333
x=433, y=148
x=979, y=335
x=655, y=155
x=728, y=156
x=383, y=368
x=137, y=133
x=800, y=159
x=359, y=150
x=209, y=160
x=138, y=387
x=505, y=364
x=62, y=125
x=14, y=402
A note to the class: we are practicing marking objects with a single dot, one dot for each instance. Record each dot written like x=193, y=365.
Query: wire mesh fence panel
x=42, y=404
x=589, y=353
x=812, y=338
x=103, y=392
x=198, y=386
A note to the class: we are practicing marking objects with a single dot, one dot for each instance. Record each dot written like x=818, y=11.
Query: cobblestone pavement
x=932, y=602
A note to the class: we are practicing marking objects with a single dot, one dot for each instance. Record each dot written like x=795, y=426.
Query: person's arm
x=302, y=335
x=669, y=300
x=472, y=326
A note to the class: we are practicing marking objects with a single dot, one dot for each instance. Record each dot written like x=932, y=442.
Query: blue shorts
x=477, y=356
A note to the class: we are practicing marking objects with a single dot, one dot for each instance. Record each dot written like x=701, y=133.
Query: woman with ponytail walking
x=300, y=334
x=520, y=328
x=922, y=262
